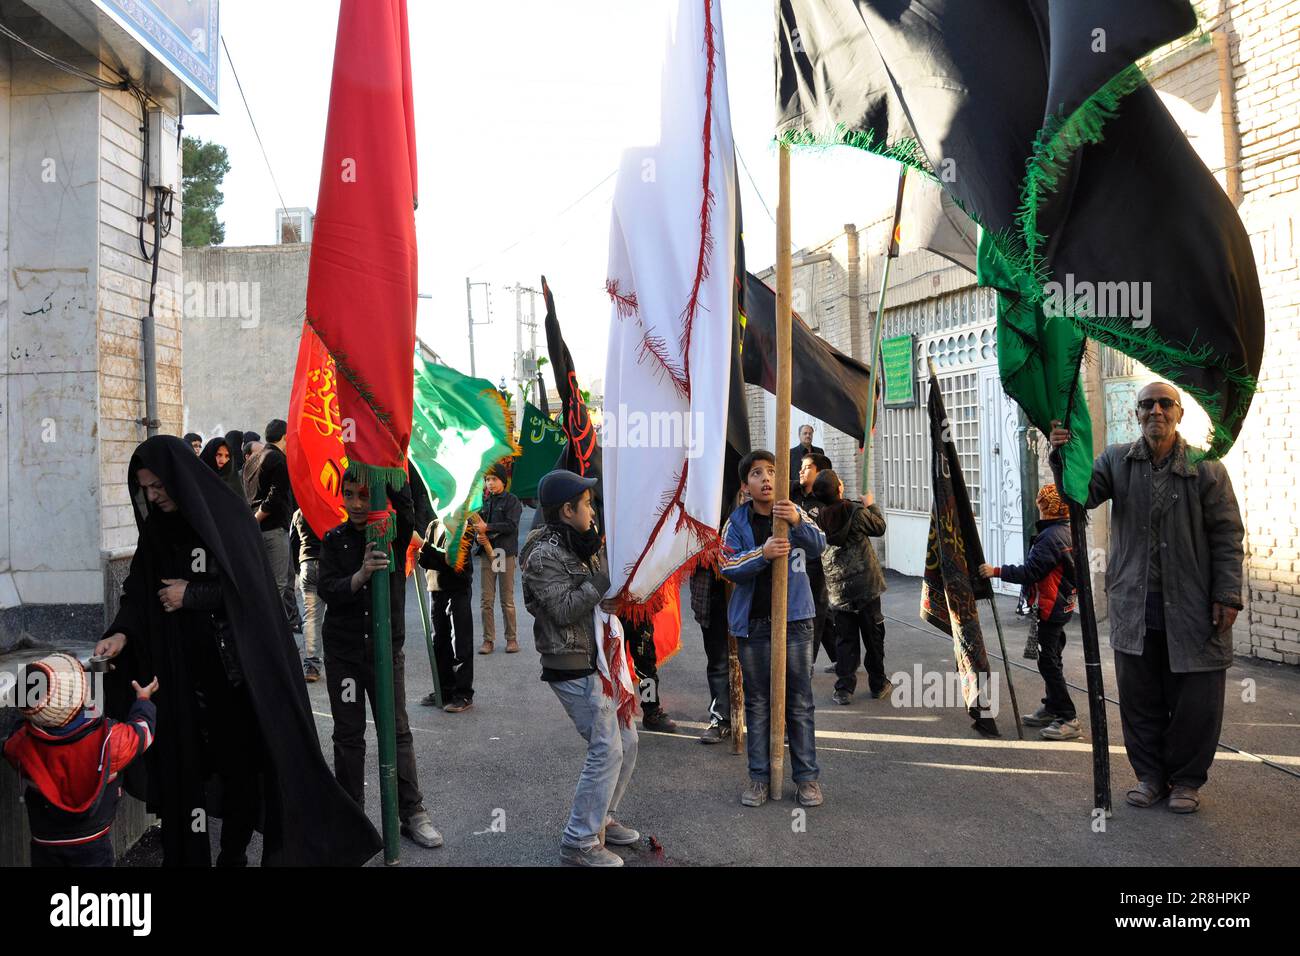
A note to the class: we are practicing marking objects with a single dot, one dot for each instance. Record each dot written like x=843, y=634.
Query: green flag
x=461, y=426
x=542, y=442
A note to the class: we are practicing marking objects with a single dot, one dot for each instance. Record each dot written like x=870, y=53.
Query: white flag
x=670, y=280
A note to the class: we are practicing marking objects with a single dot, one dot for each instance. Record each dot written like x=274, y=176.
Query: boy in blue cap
x=564, y=579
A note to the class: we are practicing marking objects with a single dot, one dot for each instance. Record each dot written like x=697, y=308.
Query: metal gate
x=1001, y=521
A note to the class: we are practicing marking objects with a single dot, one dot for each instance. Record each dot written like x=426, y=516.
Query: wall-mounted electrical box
x=164, y=153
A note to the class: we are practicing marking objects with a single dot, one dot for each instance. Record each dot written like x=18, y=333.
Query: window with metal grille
x=904, y=441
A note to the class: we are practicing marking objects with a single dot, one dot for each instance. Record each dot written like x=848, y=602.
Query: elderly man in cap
x=564, y=581
x=1173, y=577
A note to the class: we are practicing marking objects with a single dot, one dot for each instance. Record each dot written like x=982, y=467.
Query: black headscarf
x=209, y=457
x=308, y=820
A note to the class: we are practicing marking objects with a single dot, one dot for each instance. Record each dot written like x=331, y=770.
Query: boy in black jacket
x=453, y=620
x=499, y=517
x=347, y=564
x=1049, y=571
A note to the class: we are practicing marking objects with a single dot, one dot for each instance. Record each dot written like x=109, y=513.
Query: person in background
x=266, y=481
x=709, y=605
x=216, y=455
x=500, y=519
x=453, y=618
x=1049, y=574
x=195, y=440
x=854, y=583
x=801, y=493
x=804, y=448
x=749, y=548
x=305, y=546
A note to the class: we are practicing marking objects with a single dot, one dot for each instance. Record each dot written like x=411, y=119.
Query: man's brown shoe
x=512, y=646
x=1184, y=799
x=1145, y=794
x=486, y=648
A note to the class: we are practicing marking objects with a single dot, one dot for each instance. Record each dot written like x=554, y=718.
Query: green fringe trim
x=905, y=151
x=1057, y=143
x=1054, y=147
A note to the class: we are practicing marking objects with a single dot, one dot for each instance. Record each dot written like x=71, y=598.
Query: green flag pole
x=423, y=598
x=385, y=722
x=890, y=255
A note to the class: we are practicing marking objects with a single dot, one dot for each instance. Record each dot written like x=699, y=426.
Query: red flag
x=315, y=446
x=361, y=285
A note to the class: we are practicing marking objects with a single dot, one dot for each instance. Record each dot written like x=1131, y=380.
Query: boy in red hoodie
x=69, y=758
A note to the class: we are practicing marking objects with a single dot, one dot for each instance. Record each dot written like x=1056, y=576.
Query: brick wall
x=1250, y=51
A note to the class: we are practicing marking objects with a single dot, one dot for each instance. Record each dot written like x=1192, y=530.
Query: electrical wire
x=66, y=67
x=1110, y=700
x=267, y=159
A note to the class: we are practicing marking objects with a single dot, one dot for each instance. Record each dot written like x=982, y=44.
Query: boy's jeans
x=756, y=663
x=611, y=757
x=309, y=641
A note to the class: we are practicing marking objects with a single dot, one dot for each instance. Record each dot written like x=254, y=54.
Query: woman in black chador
x=236, y=738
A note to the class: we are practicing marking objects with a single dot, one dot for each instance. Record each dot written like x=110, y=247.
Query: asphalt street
x=904, y=785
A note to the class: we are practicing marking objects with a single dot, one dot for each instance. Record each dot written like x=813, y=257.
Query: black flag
x=825, y=382
x=952, y=584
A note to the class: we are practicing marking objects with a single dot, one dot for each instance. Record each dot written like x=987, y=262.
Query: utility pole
x=469, y=316
x=525, y=362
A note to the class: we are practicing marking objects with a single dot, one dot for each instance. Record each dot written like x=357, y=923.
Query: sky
x=522, y=110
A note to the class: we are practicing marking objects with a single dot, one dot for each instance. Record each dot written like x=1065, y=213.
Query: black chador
x=235, y=738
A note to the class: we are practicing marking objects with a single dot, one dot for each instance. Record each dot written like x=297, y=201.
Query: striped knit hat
x=1049, y=499
x=59, y=695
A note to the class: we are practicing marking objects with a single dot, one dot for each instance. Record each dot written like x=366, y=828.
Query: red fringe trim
x=706, y=200
x=624, y=305
x=654, y=347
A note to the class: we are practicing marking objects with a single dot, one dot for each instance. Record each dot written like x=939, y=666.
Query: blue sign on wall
x=184, y=34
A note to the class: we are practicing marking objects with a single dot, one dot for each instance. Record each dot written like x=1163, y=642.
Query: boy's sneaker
x=419, y=828
x=1042, y=717
x=810, y=794
x=428, y=700
x=755, y=794
x=717, y=732
x=594, y=855
x=1061, y=730
x=310, y=673
x=618, y=835
x=842, y=697
x=884, y=691
x=659, y=720
x=459, y=705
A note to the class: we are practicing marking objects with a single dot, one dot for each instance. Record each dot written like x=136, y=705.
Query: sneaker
x=755, y=794
x=310, y=674
x=809, y=794
x=486, y=648
x=842, y=697
x=660, y=721
x=1042, y=717
x=512, y=646
x=594, y=855
x=618, y=835
x=420, y=829
x=1061, y=730
x=884, y=691
x=428, y=700
x=717, y=732
x=458, y=705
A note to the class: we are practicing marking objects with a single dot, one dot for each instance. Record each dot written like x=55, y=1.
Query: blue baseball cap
x=559, y=486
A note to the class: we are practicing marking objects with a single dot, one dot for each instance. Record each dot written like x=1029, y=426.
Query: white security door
x=1001, y=521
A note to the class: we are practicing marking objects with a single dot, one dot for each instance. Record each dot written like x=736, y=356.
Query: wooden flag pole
x=891, y=253
x=735, y=682
x=780, y=581
x=385, y=721
x=1006, y=663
